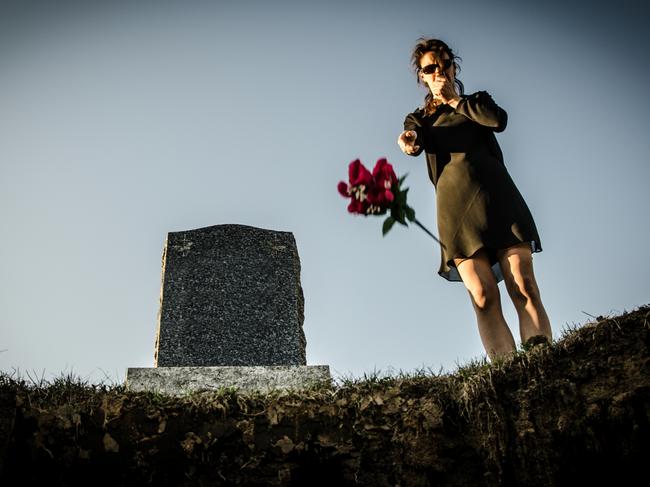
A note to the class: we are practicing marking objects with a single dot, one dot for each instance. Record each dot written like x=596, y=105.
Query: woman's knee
x=524, y=289
x=517, y=264
x=479, y=280
x=484, y=295
x=529, y=287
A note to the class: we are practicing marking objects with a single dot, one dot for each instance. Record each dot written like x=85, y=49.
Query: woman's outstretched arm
x=412, y=122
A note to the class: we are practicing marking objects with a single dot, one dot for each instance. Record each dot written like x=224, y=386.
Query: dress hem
x=453, y=275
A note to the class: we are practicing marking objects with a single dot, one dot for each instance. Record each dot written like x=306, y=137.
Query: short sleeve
x=481, y=108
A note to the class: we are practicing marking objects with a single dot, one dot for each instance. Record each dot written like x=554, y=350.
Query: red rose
x=380, y=192
x=357, y=206
x=383, y=174
x=358, y=174
x=344, y=189
x=377, y=195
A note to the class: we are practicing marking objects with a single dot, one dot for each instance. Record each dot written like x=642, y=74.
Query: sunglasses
x=431, y=68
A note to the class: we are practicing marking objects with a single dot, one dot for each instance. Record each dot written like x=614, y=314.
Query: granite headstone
x=231, y=315
x=230, y=295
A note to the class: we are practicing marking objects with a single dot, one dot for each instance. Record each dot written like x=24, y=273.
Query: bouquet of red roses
x=377, y=193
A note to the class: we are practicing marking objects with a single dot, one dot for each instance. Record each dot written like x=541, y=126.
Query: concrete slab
x=181, y=380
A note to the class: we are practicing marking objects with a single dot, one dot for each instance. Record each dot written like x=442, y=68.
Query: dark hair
x=437, y=48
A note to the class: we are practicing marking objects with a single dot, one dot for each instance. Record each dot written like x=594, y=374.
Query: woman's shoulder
x=418, y=112
x=414, y=119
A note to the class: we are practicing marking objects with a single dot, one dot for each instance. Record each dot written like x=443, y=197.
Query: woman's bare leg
x=517, y=266
x=483, y=290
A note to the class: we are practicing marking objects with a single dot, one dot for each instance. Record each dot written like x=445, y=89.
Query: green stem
x=431, y=234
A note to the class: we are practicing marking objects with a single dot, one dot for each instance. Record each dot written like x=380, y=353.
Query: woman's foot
x=534, y=341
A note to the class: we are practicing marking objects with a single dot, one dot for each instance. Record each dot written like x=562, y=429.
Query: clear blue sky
x=120, y=123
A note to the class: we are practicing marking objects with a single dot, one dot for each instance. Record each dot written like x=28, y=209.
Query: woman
x=486, y=230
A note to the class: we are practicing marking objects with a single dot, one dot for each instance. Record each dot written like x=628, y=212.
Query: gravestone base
x=178, y=381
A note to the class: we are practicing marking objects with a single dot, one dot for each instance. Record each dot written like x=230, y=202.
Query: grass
x=526, y=399
x=69, y=388
x=470, y=379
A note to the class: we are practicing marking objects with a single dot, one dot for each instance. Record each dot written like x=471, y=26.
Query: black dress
x=478, y=204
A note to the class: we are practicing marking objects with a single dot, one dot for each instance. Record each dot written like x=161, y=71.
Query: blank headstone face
x=231, y=295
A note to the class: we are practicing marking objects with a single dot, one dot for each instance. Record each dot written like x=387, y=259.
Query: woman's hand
x=443, y=90
x=406, y=142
